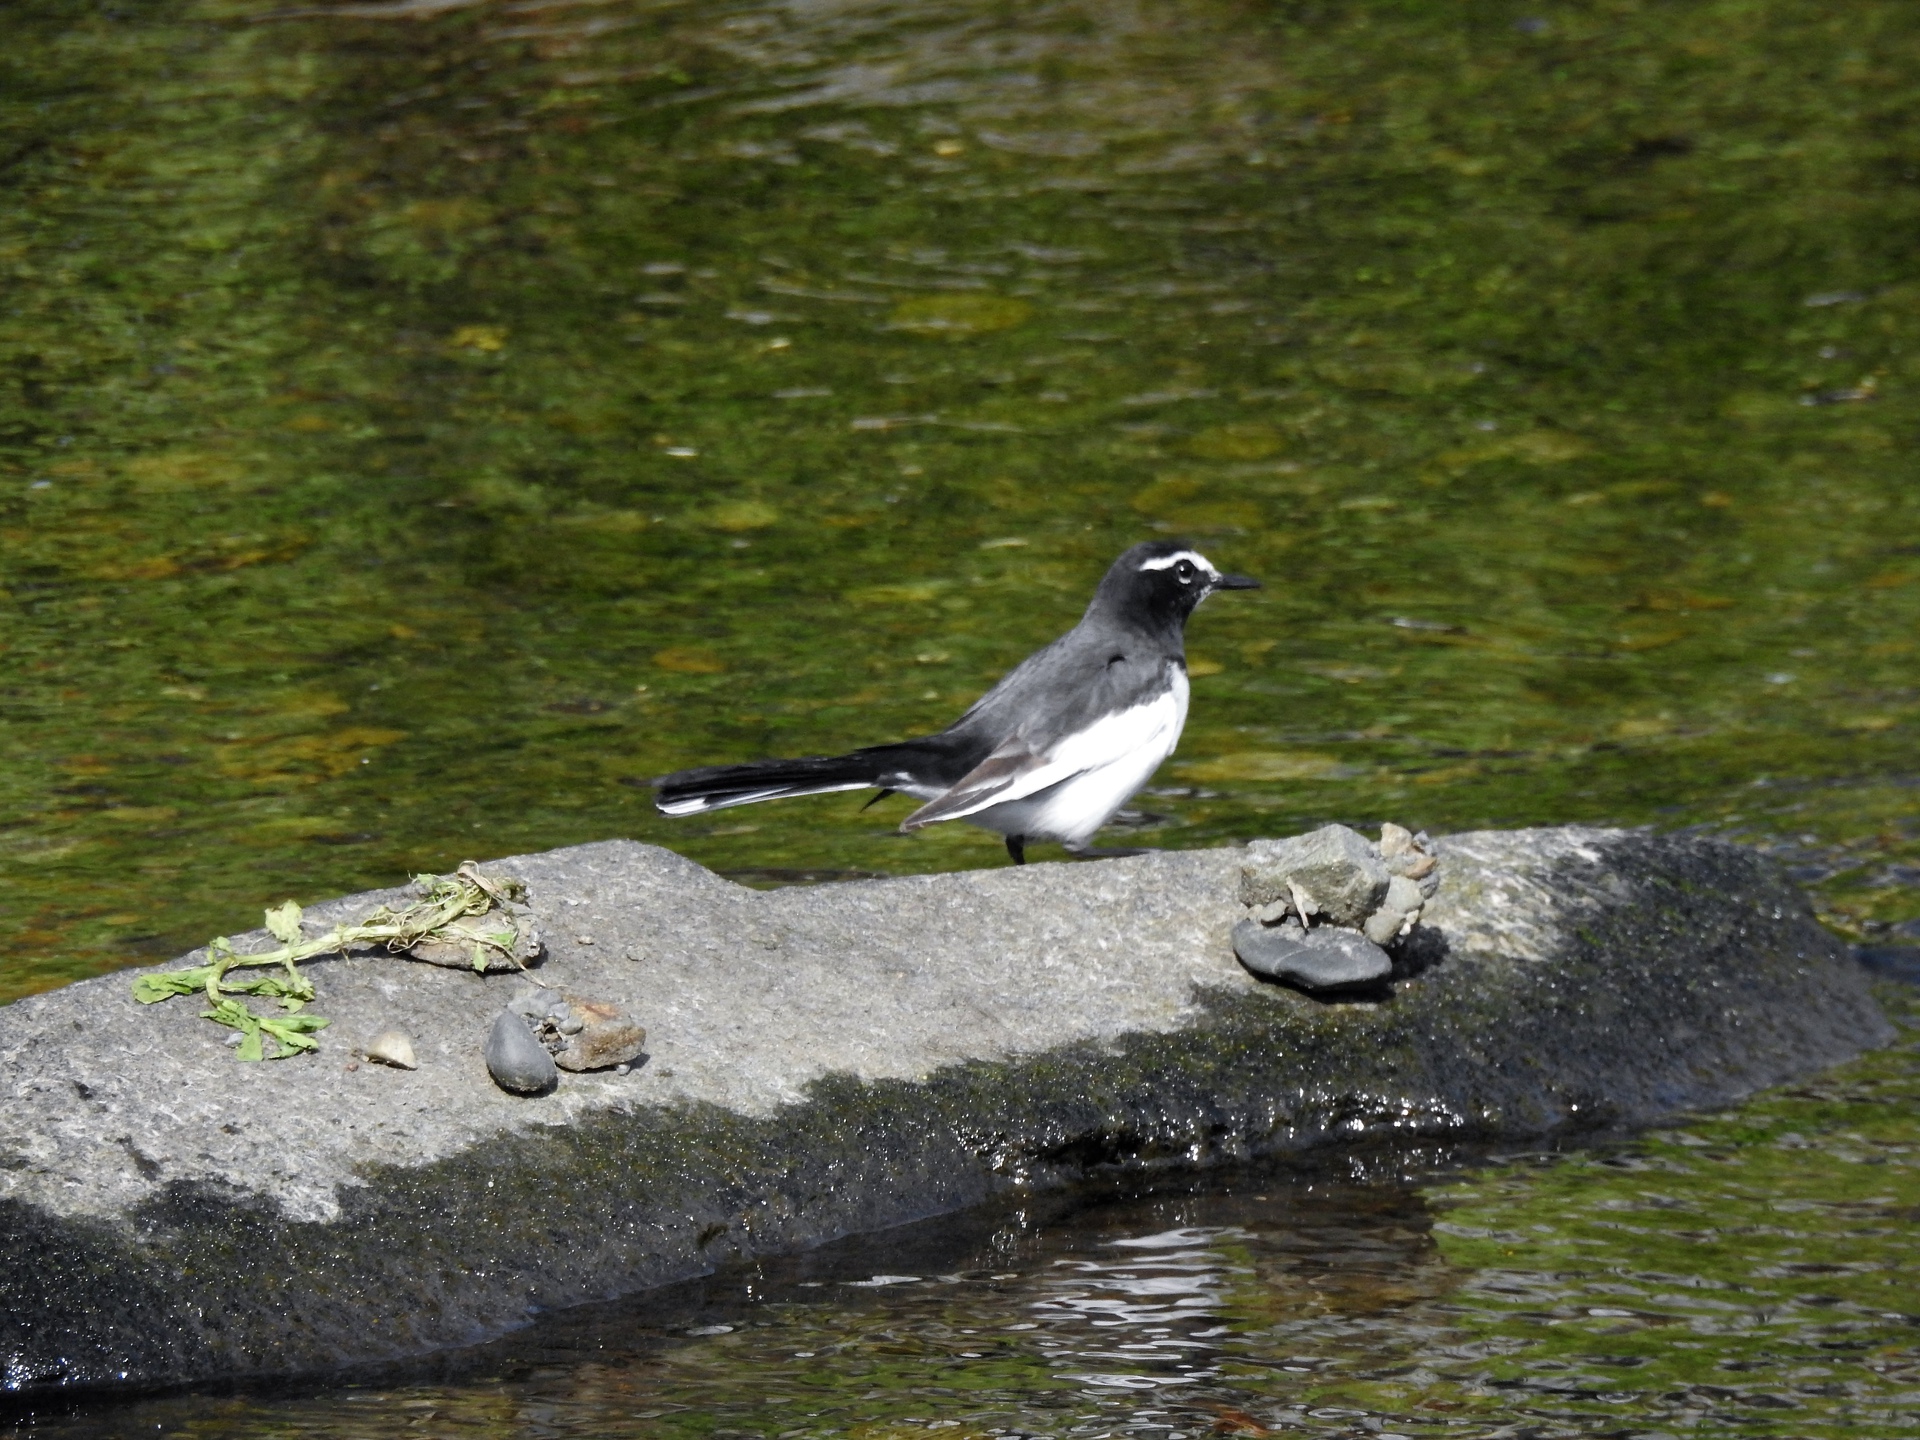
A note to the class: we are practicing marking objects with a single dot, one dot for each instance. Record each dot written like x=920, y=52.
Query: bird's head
x=1160, y=582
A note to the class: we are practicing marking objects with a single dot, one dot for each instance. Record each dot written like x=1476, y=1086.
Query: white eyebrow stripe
x=1168, y=562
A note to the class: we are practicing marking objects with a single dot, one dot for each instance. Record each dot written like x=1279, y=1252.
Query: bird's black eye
x=1185, y=571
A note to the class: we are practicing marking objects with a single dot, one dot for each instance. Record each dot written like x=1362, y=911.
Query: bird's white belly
x=1109, y=762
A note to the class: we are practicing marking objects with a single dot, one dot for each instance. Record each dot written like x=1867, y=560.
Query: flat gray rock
x=831, y=1060
x=1324, y=958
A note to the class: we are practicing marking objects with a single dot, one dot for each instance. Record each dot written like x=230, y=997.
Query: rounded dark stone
x=1327, y=958
x=517, y=1061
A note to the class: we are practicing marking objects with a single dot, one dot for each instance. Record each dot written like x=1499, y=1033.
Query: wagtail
x=1052, y=751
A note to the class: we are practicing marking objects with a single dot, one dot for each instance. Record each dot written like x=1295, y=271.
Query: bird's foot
x=1017, y=848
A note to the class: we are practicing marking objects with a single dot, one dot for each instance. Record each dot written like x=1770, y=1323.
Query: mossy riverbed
x=420, y=422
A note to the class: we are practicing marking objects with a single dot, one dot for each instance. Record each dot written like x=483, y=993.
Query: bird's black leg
x=1017, y=848
x=876, y=799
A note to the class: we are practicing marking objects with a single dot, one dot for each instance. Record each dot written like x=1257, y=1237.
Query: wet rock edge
x=1715, y=981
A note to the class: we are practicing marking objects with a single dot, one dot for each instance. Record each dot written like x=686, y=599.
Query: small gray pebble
x=1383, y=924
x=530, y=1003
x=1326, y=958
x=536, y=1002
x=1404, y=895
x=519, y=1063
x=571, y=1025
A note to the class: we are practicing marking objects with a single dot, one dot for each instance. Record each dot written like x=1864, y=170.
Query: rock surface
x=830, y=1060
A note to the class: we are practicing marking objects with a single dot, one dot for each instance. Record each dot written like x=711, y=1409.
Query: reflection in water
x=1129, y=1316
x=1155, y=1302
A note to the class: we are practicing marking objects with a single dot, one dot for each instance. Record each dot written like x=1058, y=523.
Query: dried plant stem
x=448, y=898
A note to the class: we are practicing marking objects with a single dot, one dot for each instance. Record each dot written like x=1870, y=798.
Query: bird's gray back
x=1096, y=669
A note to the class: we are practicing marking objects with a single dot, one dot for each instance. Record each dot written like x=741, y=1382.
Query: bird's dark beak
x=1236, y=582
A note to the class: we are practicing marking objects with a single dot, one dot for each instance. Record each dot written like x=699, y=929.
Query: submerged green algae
x=422, y=423
x=1750, y=1274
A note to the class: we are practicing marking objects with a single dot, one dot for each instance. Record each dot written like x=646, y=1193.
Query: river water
x=421, y=422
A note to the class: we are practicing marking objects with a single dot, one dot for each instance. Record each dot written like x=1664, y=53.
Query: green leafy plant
x=445, y=901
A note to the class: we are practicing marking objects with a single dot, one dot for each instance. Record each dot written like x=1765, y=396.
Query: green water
x=421, y=422
x=1754, y=1274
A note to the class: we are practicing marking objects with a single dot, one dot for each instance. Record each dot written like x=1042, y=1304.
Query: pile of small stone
x=1322, y=906
x=542, y=1032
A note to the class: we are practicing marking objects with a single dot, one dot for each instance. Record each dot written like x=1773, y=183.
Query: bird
x=1052, y=751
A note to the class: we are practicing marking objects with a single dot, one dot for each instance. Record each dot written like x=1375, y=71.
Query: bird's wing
x=1019, y=767
x=1009, y=773
x=1018, y=759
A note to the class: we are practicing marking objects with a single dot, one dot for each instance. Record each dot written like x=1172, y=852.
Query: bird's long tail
x=715, y=787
